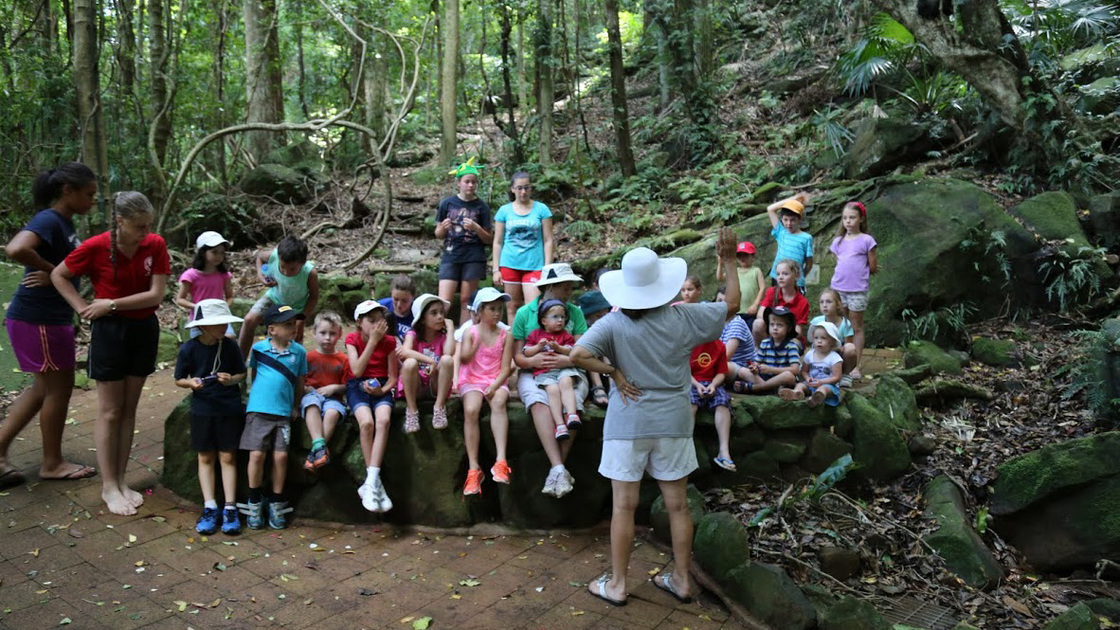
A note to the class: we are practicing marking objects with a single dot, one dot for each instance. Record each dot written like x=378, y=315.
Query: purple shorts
x=42, y=347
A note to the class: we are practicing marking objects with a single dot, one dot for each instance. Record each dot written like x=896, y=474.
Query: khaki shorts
x=266, y=432
x=854, y=300
x=665, y=459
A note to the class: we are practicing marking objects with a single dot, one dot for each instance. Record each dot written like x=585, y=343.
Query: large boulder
x=236, y=218
x=1057, y=504
x=721, y=544
x=927, y=353
x=877, y=446
x=1104, y=217
x=894, y=398
x=851, y=613
x=882, y=144
x=1053, y=215
x=341, y=293
x=282, y=183
x=1080, y=617
x=995, y=352
x=954, y=540
x=770, y=594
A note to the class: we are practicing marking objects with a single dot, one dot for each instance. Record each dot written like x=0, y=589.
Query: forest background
x=624, y=108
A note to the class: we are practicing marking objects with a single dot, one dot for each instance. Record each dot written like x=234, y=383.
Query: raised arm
x=725, y=247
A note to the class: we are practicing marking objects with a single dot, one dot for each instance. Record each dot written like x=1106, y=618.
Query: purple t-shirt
x=852, y=273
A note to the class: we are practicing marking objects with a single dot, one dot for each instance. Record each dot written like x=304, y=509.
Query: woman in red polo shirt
x=129, y=267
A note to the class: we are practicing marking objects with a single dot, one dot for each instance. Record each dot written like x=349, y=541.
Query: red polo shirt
x=799, y=306
x=128, y=276
x=708, y=359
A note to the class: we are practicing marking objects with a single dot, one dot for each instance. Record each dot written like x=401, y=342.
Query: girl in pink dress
x=486, y=357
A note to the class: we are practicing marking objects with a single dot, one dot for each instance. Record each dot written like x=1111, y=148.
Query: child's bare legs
x=248, y=331
x=255, y=472
x=447, y=294
x=382, y=415
x=758, y=329
x=517, y=298
x=472, y=406
x=364, y=416
x=112, y=434
x=330, y=422
x=798, y=392
x=410, y=376
x=851, y=358
x=206, y=477
x=313, y=418
x=499, y=423
x=443, y=373
x=555, y=404
x=466, y=288
x=723, y=429
x=228, y=461
x=856, y=317
x=785, y=379
x=279, y=471
x=133, y=387
x=568, y=395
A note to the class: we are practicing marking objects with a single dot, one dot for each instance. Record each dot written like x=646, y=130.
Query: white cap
x=488, y=294
x=211, y=239
x=368, y=306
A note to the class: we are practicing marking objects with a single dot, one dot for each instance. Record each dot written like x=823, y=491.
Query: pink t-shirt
x=853, y=273
x=205, y=286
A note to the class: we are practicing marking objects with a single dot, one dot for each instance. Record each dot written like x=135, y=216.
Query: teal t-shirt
x=845, y=326
x=525, y=321
x=523, y=245
x=288, y=290
x=796, y=247
x=272, y=392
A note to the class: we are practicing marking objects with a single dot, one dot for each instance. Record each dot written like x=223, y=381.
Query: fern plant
x=886, y=45
x=1072, y=277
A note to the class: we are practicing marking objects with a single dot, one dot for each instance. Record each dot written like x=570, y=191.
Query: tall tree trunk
x=126, y=48
x=160, y=51
x=522, y=76
x=87, y=83
x=705, y=31
x=546, y=88
x=298, y=6
x=507, y=83
x=219, y=74
x=663, y=93
x=448, y=82
x=374, y=90
x=618, y=90
x=265, y=97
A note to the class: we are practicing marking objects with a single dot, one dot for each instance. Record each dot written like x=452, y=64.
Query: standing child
x=821, y=369
x=402, y=291
x=211, y=367
x=129, y=267
x=487, y=353
x=523, y=243
x=785, y=218
x=208, y=277
x=279, y=366
x=559, y=384
x=428, y=353
x=323, y=394
x=373, y=368
x=856, y=259
x=831, y=311
x=463, y=224
x=292, y=281
x=779, y=360
x=708, y=365
x=785, y=295
x=751, y=282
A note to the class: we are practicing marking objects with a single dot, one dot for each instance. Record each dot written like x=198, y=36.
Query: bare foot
x=117, y=503
x=68, y=471
x=134, y=498
x=817, y=398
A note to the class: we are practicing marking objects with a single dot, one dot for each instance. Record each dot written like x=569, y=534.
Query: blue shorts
x=832, y=399
x=315, y=399
x=462, y=271
x=720, y=398
x=357, y=397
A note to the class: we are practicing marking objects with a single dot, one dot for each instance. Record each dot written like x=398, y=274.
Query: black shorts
x=121, y=347
x=216, y=433
x=462, y=271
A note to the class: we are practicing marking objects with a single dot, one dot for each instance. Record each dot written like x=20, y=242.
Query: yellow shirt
x=748, y=286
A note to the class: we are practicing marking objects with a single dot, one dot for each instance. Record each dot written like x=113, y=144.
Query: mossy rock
x=659, y=517
x=1108, y=608
x=894, y=398
x=876, y=444
x=785, y=449
x=823, y=449
x=995, y=352
x=720, y=544
x=282, y=183
x=927, y=353
x=1054, y=469
x=426, y=281
x=341, y=294
x=1054, y=216
x=882, y=144
x=955, y=541
x=850, y=613
x=1080, y=617
x=168, y=350
x=1104, y=216
x=774, y=414
x=757, y=465
x=236, y=218
x=771, y=595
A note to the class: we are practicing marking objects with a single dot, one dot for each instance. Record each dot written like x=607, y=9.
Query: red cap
x=745, y=248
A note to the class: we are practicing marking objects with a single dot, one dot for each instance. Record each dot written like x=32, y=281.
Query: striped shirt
x=770, y=354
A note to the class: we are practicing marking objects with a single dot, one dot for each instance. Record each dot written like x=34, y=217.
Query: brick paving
x=65, y=561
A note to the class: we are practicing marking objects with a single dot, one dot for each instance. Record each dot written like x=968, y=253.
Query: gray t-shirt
x=653, y=354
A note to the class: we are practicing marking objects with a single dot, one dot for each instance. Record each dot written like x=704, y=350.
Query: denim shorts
x=315, y=399
x=357, y=397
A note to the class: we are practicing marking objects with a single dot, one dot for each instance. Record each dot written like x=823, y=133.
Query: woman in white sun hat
x=649, y=420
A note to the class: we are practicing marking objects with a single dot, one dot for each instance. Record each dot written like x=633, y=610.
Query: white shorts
x=530, y=394
x=665, y=459
x=854, y=300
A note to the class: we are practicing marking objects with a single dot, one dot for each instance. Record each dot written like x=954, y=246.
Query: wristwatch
x=112, y=306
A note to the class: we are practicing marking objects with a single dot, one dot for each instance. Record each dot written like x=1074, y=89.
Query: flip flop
x=81, y=472
x=601, y=585
x=11, y=478
x=725, y=463
x=664, y=581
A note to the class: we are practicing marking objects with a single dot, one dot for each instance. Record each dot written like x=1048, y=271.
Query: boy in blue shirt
x=278, y=366
x=785, y=219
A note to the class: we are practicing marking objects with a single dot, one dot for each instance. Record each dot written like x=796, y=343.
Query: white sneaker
x=369, y=502
x=564, y=483
x=384, y=504
x=550, y=483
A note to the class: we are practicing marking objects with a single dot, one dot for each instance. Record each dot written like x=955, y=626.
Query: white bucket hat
x=366, y=307
x=420, y=303
x=211, y=239
x=832, y=331
x=211, y=312
x=557, y=273
x=488, y=294
x=645, y=281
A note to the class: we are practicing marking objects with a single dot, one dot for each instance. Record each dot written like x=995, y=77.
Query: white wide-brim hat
x=211, y=239
x=557, y=273
x=212, y=312
x=832, y=331
x=420, y=303
x=645, y=281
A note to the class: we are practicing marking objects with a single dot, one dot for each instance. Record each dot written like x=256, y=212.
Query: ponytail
x=47, y=186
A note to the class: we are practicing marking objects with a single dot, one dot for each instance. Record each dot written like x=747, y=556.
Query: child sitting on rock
x=322, y=403
x=708, y=365
x=832, y=311
x=560, y=384
x=820, y=370
x=428, y=355
x=779, y=359
x=786, y=295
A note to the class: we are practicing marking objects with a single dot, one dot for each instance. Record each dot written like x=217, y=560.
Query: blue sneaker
x=254, y=514
x=208, y=522
x=231, y=521
x=278, y=514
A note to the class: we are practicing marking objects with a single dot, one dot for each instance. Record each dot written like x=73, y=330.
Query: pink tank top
x=484, y=368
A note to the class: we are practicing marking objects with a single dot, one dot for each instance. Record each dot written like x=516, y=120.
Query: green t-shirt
x=525, y=321
x=748, y=286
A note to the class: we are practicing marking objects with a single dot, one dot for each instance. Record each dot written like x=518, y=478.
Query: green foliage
x=885, y=46
x=715, y=195
x=583, y=231
x=1072, y=278
x=947, y=322
x=988, y=251
x=1053, y=27
x=808, y=490
x=833, y=130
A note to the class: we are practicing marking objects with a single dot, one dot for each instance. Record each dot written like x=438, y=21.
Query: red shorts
x=517, y=276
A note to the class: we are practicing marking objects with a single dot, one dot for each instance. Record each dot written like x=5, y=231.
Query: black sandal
x=599, y=397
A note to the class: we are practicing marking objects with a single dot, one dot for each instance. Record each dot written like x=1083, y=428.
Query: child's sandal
x=439, y=418
x=411, y=421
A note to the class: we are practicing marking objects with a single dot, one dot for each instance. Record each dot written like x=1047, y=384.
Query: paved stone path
x=65, y=561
